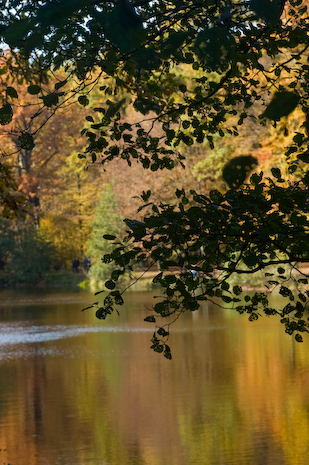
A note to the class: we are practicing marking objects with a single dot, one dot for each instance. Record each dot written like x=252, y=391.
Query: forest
x=158, y=135
x=72, y=203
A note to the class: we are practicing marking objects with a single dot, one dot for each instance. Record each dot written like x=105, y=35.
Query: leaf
x=162, y=332
x=102, y=313
x=6, y=114
x=304, y=157
x=276, y=172
x=33, y=89
x=150, y=319
x=237, y=170
x=50, y=100
x=157, y=278
x=145, y=105
x=118, y=299
x=26, y=141
x=56, y=13
x=16, y=31
x=253, y=317
x=157, y=348
x=11, y=92
x=60, y=84
x=281, y=105
x=110, y=284
x=83, y=100
x=298, y=337
x=114, y=107
x=237, y=290
x=251, y=260
x=225, y=286
x=109, y=237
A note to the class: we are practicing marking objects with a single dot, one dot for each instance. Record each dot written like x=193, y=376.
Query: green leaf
x=157, y=348
x=281, y=105
x=173, y=43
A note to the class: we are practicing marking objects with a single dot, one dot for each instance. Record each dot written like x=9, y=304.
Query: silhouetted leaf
x=238, y=169
x=34, y=89
x=110, y=284
x=281, y=105
x=11, y=92
x=50, y=100
x=6, y=114
x=144, y=106
x=83, y=100
x=26, y=141
x=109, y=237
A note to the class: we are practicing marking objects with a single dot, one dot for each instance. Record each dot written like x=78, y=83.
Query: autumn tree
x=238, y=57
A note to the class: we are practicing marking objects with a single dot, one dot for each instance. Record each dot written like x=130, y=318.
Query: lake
x=75, y=390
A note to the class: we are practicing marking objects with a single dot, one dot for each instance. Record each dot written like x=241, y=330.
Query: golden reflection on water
x=235, y=392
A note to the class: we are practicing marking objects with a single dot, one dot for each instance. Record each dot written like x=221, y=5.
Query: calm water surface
x=78, y=391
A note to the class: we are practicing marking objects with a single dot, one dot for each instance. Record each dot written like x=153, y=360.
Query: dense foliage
x=194, y=72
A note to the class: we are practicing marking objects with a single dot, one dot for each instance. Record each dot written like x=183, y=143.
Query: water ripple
x=10, y=334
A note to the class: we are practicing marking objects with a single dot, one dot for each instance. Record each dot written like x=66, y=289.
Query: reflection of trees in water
x=233, y=391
